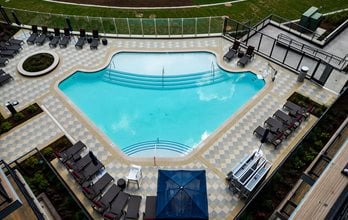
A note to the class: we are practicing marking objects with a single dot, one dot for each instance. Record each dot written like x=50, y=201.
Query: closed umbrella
x=93, y=158
x=263, y=139
x=16, y=18
x=68, y=23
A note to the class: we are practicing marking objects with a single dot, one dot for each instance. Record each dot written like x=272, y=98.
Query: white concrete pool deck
x=217, y=155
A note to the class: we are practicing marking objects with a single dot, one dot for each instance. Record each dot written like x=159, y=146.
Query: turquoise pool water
x=155, y=103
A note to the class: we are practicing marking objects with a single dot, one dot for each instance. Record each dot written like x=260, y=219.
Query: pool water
x=144, y=107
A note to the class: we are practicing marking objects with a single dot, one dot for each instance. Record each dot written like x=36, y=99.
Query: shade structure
x=182, y=194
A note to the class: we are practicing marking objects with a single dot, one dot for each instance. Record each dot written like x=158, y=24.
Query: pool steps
x=157, y=144
x=165, y=82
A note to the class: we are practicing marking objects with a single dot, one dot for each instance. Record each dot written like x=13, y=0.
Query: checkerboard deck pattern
x=217, y=159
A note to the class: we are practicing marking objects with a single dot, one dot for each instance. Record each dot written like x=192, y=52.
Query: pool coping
x=200, y=149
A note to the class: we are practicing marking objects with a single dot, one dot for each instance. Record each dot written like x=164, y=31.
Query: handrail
x=24, y=191
x=157, y=144
x=311, y=51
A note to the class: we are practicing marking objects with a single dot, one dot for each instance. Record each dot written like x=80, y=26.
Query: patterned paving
x=216, y=159
x=35, y=134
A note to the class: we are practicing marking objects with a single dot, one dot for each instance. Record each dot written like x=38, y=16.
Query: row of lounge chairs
x=235, y=49
x=107, y=198
x=8, y=49
x=62, y=40
x=4, y=77
x=282, y=124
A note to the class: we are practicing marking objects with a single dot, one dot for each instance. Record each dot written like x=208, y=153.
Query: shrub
x=18, y=116
x=48, y=153
x=5, y=126
x=32, y=108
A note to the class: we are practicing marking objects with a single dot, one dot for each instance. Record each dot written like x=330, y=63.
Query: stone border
x=42, y=72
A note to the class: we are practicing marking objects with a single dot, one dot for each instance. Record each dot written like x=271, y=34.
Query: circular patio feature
x=38, y=63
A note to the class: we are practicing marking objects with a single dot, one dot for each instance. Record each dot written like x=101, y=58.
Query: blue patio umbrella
x=182, y=194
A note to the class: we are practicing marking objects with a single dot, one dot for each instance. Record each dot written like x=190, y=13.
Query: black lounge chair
x=247, y=56
x=233, y=50
x=276, y=126
x=72, y=151
x=91, y=191
x=116, y=208
x=292, y=121
x=133, y=207
x=95, y=40
x=88, y=172
x=63, y=43
x=4, y=77
x=296, y=110
x=40, y=40
x=56, y=38
x=82, y=39
x=79, y=164
x=33, y=36
x=271, y=138
x=104, y=202
x=3, y=61
x=150, y=208
x=15, y=41
x=6, y=46
x=8, y=53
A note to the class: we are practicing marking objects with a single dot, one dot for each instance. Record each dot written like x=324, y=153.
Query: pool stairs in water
x=157, y=144
x=163, y=82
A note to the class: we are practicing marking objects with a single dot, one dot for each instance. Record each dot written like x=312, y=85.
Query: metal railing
x=157, y=144
x=119, y=27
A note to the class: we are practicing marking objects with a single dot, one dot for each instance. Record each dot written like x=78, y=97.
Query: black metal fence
x=285, y=54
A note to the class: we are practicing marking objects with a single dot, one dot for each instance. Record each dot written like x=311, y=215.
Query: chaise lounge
x=88, y=172
x=116, y=208
x=4, y=77
x=78, y=164
x=133, y=207
x=33, y=35
x=247, y=56
x=95, y=40
x=55, y=40
x=271, y=138
x=232, y=51
x=63, y=43
x=71, y=152
x=296, y=110
x=292, y=121
x=103, y=203
x=40, y=40
x=82, y=39
x=92, y=190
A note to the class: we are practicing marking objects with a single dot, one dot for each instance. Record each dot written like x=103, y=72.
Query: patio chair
x=150, y=208
x=4, y=77
x=3, y=61
x=92, y=190
x=295, y=109
x=276, y=126
x=6, y=46
x=79, y=164
x=271, y=138
x=247, y=56
x=67, y=154
x=135, y=175
x=103, y=203
x=88, y=172
x=95, y=40
x=116, y=208
x=15, y=41
x=56, y=38
x=63, y=43
x=82, y=39
x=8, y=53
x=40, y=40
x=233, y=50
x=292, y=121
x=33, y=35
x=133, y=207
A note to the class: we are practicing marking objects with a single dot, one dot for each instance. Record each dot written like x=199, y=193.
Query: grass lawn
x=251, y=10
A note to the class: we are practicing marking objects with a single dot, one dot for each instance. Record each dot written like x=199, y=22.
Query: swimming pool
x=160, y=103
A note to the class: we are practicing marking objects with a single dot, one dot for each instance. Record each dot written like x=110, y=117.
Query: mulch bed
x=134, y=3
